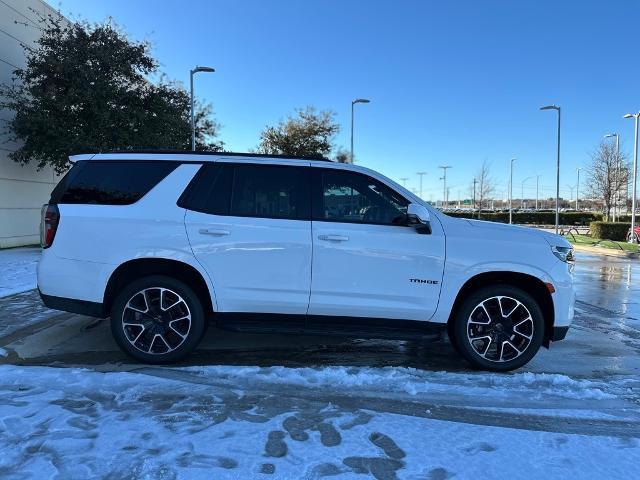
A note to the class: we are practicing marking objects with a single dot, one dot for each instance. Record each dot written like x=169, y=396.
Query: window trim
x=317, y=192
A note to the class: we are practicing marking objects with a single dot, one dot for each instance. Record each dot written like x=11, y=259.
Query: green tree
x=86, y=88
x=309, y=133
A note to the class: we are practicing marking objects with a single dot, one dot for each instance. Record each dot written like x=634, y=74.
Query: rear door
x=249, y=225
x=366, y=261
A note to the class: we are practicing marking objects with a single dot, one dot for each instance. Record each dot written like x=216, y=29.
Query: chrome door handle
x=216, y=232
x=333, y=238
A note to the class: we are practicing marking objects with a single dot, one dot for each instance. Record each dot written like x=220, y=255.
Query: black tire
x=158, y=336
x=632, y=238
x=478, y=349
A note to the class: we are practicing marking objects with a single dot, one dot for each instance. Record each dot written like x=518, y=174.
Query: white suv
x=163, y=242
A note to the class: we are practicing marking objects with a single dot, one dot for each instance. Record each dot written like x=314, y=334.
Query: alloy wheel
x=500, y=329
x=156, y=320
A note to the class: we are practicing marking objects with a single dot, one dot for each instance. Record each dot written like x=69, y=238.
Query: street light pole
x=444, y=177
x=511, y=191
x=557, y=108
x=193, y=115
x=616, y=205
x=635, y=175
x=578, y=187
x=353, y=102
x=421, y=174
x=522, y=192
x=404, y=181
x=537, y=185
x=473, y=210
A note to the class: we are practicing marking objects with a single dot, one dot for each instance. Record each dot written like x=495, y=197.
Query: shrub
x=538, y=218
x=609, y=230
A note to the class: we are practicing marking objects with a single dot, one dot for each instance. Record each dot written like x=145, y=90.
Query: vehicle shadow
x=84, y=341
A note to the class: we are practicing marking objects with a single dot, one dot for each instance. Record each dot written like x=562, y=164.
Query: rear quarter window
x=110, y=182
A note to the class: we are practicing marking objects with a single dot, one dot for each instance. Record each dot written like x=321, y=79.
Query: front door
x=366, y=261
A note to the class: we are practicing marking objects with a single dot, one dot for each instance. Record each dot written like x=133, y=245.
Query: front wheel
x=499, y=328
x=157, y=319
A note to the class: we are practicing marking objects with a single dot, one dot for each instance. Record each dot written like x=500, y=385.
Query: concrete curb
x=610, y=252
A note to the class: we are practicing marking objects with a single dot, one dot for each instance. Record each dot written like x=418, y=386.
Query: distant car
x=163, y=243
x=635, y=238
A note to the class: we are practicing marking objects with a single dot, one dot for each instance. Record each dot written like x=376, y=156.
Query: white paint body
x=294, y=266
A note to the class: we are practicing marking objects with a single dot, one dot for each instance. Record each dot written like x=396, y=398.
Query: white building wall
x=23, y=190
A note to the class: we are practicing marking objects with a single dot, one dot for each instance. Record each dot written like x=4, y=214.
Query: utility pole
x=578, y=189
x=421, y=175
x=474, y=197
x=635, y=174
x=444, y=177
x=557, y=109
x=511, y=193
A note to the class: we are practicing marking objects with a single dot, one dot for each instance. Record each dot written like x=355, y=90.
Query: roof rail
x=220, y=154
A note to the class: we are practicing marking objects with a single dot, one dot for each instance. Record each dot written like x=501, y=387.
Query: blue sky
x=450, y=82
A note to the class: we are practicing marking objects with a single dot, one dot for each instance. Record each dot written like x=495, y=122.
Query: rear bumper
x=83, y=307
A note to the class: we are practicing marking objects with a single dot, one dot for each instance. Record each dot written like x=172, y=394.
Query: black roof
x=220, y=154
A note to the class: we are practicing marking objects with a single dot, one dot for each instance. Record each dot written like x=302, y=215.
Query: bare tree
x=485, y=185
x=607, y=174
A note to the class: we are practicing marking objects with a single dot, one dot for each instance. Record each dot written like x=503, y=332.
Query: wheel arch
x=530, y=284
x=143, y=267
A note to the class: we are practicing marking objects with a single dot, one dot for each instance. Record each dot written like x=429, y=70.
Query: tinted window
x=357, y=198
x=271, y=191
x=110, y=182
x=210, y=190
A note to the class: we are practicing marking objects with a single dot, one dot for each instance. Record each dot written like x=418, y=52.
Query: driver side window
x=352, y=197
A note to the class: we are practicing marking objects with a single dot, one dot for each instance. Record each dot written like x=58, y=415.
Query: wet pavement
x=604, y=339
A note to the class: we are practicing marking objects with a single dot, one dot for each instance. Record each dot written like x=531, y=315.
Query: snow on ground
x=18, y=270
x=74, y=423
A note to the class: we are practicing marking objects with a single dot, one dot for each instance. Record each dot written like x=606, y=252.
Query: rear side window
x=110, y=182
x=271, y=191
x=249, y=190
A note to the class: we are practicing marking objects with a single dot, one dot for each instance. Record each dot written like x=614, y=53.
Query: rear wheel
x=632, y=237
x=157, y=319
x=498, y=328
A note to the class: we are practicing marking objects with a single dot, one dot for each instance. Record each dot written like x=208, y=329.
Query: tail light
x=49, y=224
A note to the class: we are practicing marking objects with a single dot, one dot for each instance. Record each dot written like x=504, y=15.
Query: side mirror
x=418, y=215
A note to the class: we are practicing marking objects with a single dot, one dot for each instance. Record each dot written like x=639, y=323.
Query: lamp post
x=404, y=181
x=193, y=115
x=522, y=191
x=421, y=174
x=617, y=194
x=578, y=187
x=557, y=108
x=537, y=189
x=511, y=191
x=444, y=178
x=353, y=102
x=635, y=174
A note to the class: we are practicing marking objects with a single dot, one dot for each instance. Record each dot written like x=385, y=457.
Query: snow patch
x=18, y=270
